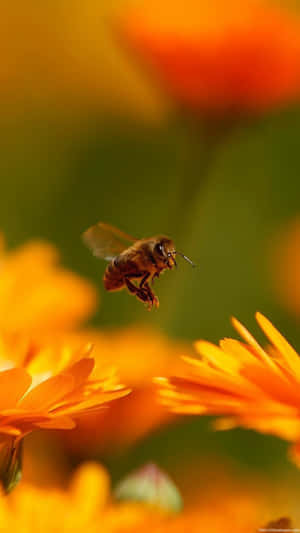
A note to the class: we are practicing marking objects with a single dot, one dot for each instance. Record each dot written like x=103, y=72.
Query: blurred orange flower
x=37, y=295
x=219, y=56
x=138, y=354
x=87, y=505
x=252, y=387
x=47, y=388
x=285, y=265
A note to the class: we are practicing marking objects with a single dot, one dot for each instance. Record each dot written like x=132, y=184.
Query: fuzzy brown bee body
x=132, y=262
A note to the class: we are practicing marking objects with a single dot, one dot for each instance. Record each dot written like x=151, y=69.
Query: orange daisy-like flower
x=252, y=387
x=218, y=56
x=37, y=295
x=47, y=388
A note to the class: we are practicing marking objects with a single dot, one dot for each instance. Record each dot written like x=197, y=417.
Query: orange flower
x=285, y=265
x=47, y=388
x=39, y=296
x=219, y=56
x=88, y=505
x=250, y=386
x=138, y=354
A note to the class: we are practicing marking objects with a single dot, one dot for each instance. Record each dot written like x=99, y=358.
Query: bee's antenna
x=186, y=258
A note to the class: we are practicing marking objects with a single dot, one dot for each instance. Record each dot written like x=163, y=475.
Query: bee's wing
x=105, y=241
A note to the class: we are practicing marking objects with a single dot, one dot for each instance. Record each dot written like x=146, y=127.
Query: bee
x=132, y=262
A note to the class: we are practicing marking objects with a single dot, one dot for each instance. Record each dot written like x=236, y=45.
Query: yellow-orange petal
x=10, y=430
x=13, y=385
x=276, y=387
x=245, y=334
x=280, y=343
x=237, y=349
x=47, y=393
x=217, y=357
x=58, y=422
x=280, y=426
x=90, y=488
x=81, y=370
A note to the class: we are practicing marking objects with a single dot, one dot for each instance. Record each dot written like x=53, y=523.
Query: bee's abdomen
x=113, y=278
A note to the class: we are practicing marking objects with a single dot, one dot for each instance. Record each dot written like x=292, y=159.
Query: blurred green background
x=85, y=137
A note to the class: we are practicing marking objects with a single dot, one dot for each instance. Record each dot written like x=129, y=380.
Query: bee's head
x=164, y=252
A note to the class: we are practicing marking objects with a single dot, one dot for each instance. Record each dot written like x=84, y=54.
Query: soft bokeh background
x=87, y=135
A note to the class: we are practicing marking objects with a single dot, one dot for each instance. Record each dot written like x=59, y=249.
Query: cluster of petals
x=36, y=395
x=248, y=385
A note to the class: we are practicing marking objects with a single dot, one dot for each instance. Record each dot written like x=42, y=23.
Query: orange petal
x=10, y=430
x=48, y=393
x=59, y=422
x=273, y=385
x=236, y=386
x=238, y=350
x=246, y=335
x=281, y=426
x=90, y=489
x=81, y=370
x=285, y=349
x=217, y=357
x=96, y=401
x=13, y=385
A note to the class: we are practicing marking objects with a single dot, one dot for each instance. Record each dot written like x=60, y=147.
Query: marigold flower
x=47, y=388
x=138, y=354
x=251, y=386
x=216, y=57
x=88, y=505
x=285, y=265
x=37, y=295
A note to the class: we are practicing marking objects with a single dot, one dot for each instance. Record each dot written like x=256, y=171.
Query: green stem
x=11, y=463
x=202, y=143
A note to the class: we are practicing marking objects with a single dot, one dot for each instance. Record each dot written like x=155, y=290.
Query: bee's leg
x=133, y=289
x=140, y=293
x=152, y=298
x=143, y=282
x=144, y=296
x=155, y=275
x=145, y=293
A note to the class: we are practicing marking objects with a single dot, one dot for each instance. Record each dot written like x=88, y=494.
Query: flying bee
x=132, y=262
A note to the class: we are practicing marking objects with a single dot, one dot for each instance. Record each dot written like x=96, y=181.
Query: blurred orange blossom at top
x=249, y=386
x=219, y=56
